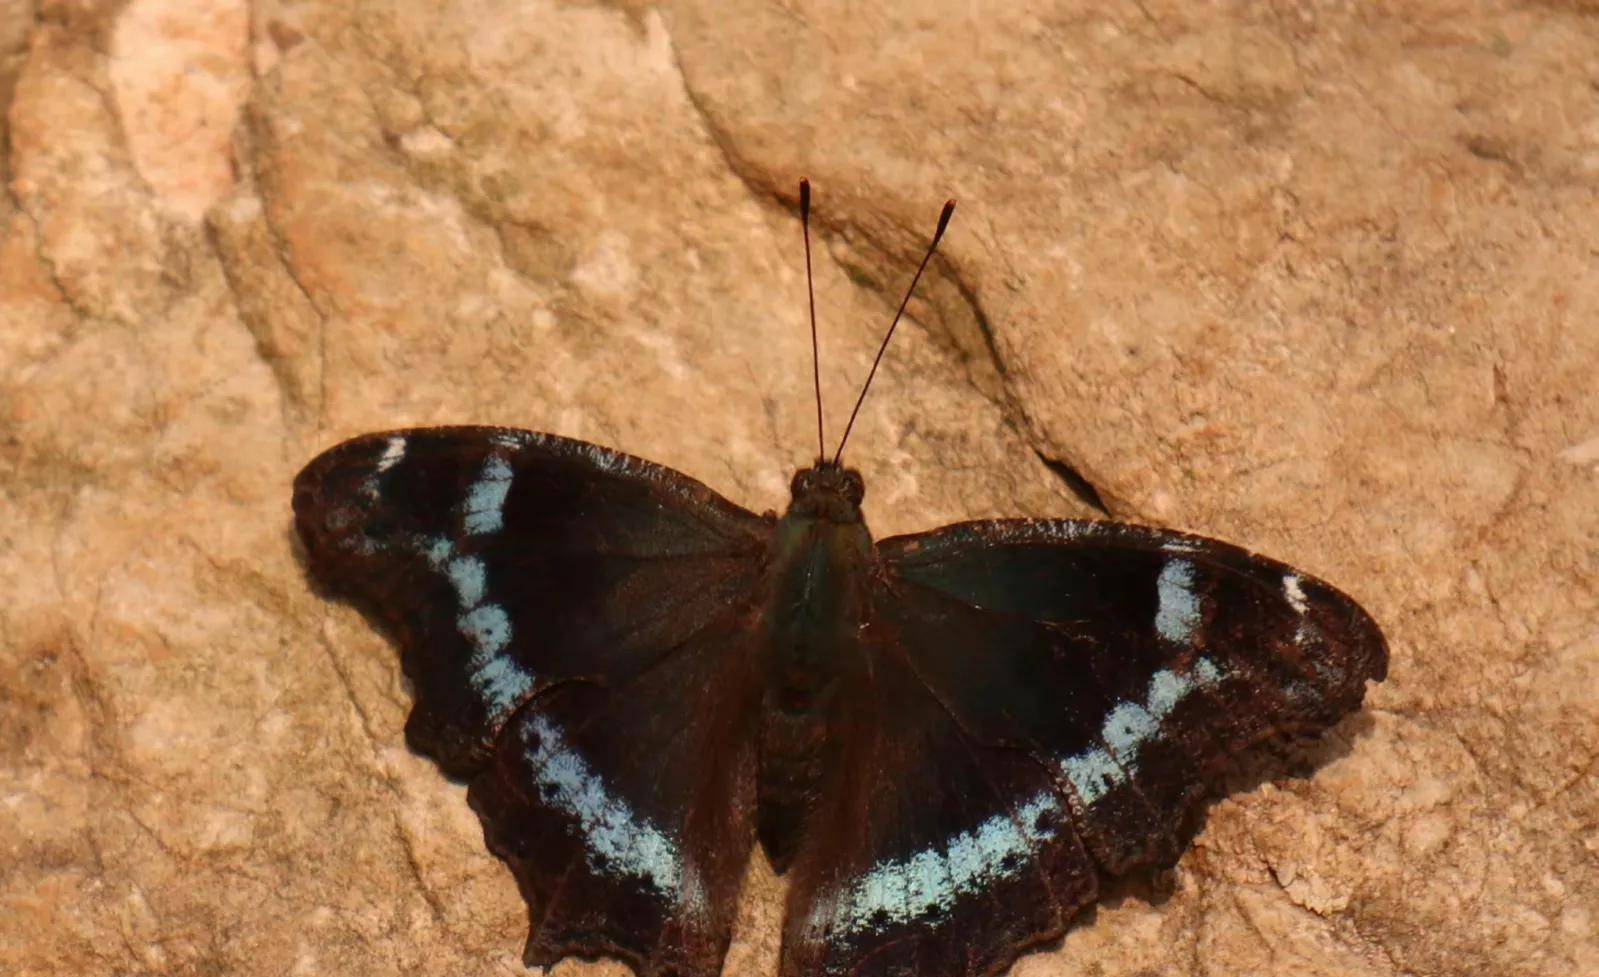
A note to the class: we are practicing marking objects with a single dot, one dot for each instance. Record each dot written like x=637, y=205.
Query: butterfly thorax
x=815, y=607
x=818, y=576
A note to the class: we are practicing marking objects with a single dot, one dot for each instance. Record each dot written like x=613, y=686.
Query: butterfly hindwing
x=934, y=854
x=559, y=610
x=1114, y=670
x=655, y=778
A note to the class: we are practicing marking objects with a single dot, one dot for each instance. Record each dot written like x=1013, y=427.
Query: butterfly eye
x=854, y=486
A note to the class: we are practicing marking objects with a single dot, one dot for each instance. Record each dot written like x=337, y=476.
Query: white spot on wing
x=1166, y=689
x=616, y=839
x=1295, y=593
x=931, y=880
x=438, y=552
x=1177, y=615
x=489, y=629
x=1093, y=772
x=465, y=573
x=470, y=580
x=503, y=686
x=1127, y=727
x=393, y=451
x=502, y=682
x=485, y=501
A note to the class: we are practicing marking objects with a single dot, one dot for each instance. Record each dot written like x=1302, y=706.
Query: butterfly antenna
x=943, y=222
x=810, y=290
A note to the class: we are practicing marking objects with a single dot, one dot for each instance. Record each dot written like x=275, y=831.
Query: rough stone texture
x=1318, y=278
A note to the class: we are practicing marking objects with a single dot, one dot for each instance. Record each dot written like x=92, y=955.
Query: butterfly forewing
x=513, y=567
x=1176, y=650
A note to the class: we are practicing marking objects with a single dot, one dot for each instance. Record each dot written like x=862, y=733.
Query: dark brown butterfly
x=948, y=739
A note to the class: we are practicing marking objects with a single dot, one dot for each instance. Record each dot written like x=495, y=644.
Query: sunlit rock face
x=1318, y=281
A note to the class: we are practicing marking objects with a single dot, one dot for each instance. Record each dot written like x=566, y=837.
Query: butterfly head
x=827, y=491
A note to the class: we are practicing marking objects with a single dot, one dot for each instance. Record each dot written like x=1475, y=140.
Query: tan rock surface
x=1318, y=278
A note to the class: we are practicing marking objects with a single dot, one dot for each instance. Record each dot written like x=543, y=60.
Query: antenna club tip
x=943, y=219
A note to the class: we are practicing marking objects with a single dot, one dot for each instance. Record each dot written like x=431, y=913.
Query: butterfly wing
x=932, y=855
x=1094, y=678
x=561, y=611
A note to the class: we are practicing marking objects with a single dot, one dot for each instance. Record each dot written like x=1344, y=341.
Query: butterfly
x=949, y=741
